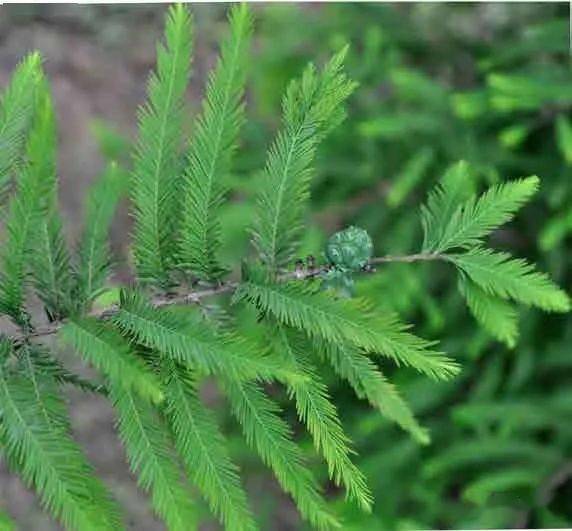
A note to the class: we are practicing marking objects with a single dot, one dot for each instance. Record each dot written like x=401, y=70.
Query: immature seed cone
x=349, y=249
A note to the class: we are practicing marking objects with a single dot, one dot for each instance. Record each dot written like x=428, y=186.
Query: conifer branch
x=153, y=351
x=195, y=297
x=156, y=159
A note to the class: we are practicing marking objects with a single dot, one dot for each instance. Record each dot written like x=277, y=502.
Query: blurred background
x=490, y=83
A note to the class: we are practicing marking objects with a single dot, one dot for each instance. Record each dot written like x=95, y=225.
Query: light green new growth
x=265, y=430
x=35, y=436
x=369, y=383
x=454, y=188
x=50, y=263
x=313, y=105
x=187, y=340
x=16, y=114
x=496, y=316
x=151, y=458
x=214, y=140
x=450, y=224
x=108, y=352
x=94, y=255
x=510, y=278
x=203, y=449
x=455, y=219
x=322, y=316
x=155, y=184
x=476, y=218
x=316, y=410
x=26, y=212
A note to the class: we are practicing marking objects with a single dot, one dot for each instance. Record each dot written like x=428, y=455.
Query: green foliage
x=312, y=107
x=107, y=351
x=50, y=262
x=429, y=82
x=454, y=219
x=16, y=113
x=442, y=205
x=203, y=449
x=316, y=410
x=564, y=137
x=450, y=224
x=46, y=362
x=214, y=141
x=25, y=216
x=185, y=339
x=272, y=438
x=498, y=274
x=35, y=436
x=282, y=351
x=370, y=384
x=322, y=316
x=154, y=186
x=94, y=257
x=150, y=455
x=495, y=315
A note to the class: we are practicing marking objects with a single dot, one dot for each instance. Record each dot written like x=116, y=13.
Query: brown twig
x=407, y=258
x=194, y=297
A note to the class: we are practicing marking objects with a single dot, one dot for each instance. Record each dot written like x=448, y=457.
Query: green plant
x=158, y=342
x=428, y=96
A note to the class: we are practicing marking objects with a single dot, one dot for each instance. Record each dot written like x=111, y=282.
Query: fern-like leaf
x=155, y=181
x=497, y=316
x=313, y=105
x=454, y=188
x=108, y=352
x=264, y=430
x=190, y=341
x=500, y=275
x=94, y=256
x=35, y=434
x=50, y=263
x=324, y=317
x=316, y=410
x=203, y=449
x=46, y=363
x=151, y=457
x=25, y=217
x=214, y=141
x=16, y=114
x=369, y=383
x=51, y=267
x=477, y=217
